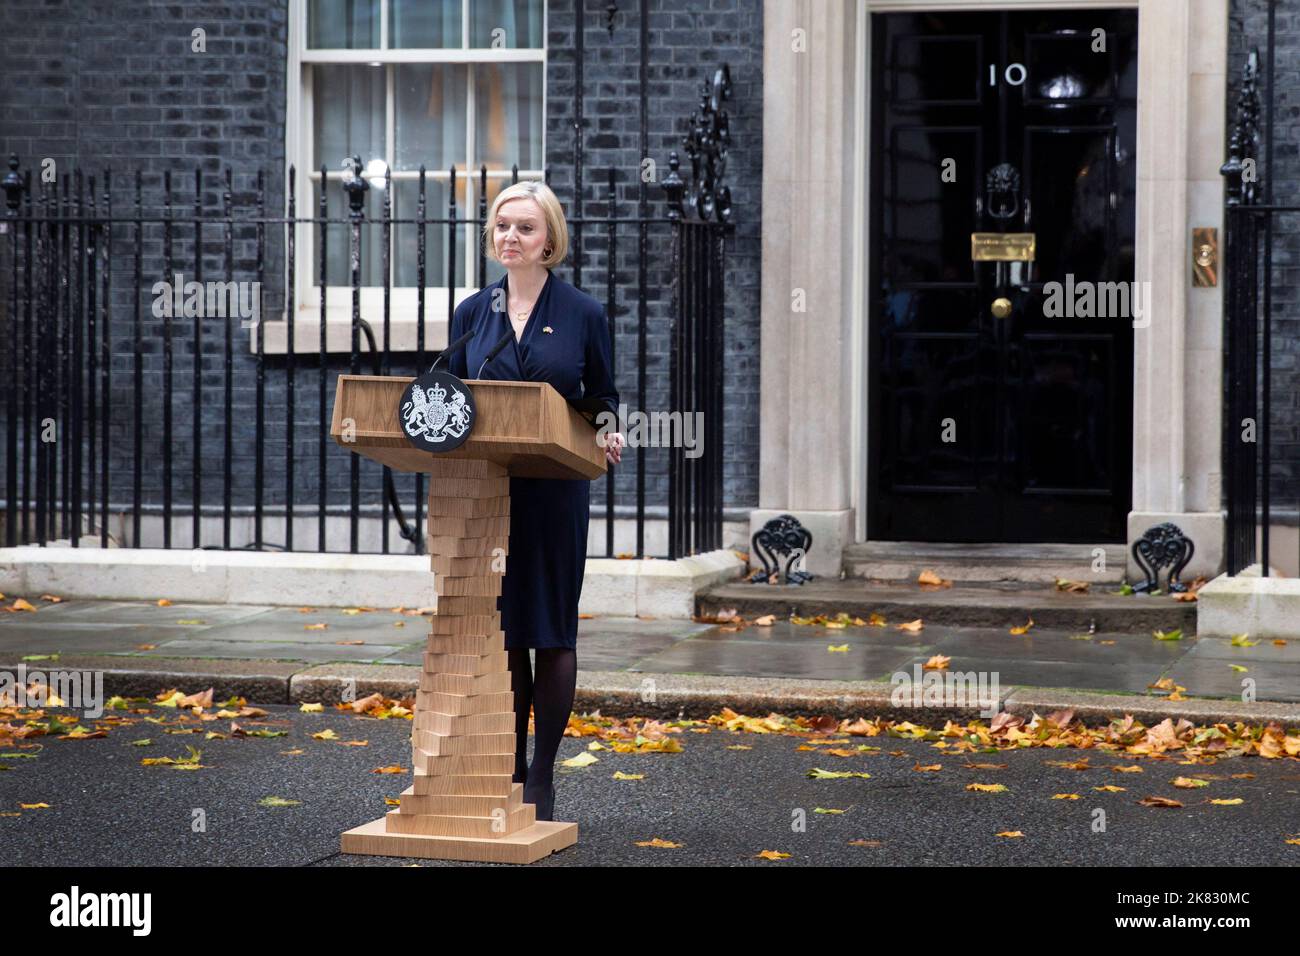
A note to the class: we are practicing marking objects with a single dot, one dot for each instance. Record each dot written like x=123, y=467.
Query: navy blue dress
x=548, y=516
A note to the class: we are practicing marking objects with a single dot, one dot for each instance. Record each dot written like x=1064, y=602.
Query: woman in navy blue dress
x=561, y=336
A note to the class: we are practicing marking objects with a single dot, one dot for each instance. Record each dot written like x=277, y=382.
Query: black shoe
x=544, y=804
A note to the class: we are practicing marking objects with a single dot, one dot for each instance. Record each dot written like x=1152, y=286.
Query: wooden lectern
x=463, y=804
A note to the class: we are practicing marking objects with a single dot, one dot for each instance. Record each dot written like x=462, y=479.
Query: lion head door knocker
x=1002, y=189
x=436, y=411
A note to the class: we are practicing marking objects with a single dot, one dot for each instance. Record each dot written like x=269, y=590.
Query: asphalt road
x=723, y=805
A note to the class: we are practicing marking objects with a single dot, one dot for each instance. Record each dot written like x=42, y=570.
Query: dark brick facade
x=1249, y=30
x=115, y=84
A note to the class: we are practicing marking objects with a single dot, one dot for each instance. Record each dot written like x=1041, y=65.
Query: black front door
x=1000, y=390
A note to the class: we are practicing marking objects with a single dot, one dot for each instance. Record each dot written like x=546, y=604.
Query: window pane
x=426, y=23
x=342, y=24
x=349, y=114
x=429, y=117
x=508, y=115
x=506, y=23
x=406, y=194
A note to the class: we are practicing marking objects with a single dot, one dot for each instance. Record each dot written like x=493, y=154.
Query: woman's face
x=519, y=232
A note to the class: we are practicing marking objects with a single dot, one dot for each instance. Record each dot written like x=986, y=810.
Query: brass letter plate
x=1002, y=247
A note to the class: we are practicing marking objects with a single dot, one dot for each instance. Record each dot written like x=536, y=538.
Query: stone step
x=1009, y=566
x=956, y=606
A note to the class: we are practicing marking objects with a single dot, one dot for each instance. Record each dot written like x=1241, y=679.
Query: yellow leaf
x=840, y=648
x=314, y=627
x=877, y=620
x=312, y=708
x=1066, y=796
x=392, y=769
x=163, y=602
x=21, y=605
x=326, y=735
x=767, y=620
x=986, y=787
x=929, y=768
x=1189, y=783
x=1228, y=803
x=912, y=627
x=584, y=759
x=936, y=663
x=773, y=855
x=1010, y=833
x=34, y=806
x=620, y=775
x=1074, y=587
x=278, y=802
x=656, y=842
x=1023, y=630
x=816, y=773
x=1110, y=788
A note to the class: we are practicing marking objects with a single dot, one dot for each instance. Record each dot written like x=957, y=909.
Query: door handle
x=1001, y=307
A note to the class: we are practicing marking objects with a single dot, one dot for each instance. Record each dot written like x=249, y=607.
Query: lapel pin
x=547, y=329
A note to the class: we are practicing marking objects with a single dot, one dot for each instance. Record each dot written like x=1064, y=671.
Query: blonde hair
x=557, y=231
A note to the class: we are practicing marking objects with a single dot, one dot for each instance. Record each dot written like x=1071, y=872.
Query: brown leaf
x=1159, y=802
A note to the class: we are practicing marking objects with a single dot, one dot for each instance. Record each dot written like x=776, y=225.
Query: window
x=400, y=83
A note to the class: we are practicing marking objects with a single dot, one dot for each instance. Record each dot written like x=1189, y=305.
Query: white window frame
x=299, y=128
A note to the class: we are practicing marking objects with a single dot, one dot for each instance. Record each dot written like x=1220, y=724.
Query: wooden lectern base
x=523, y=846
x=462, y=804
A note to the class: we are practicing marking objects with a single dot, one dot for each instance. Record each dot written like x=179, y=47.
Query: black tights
x=550, y=693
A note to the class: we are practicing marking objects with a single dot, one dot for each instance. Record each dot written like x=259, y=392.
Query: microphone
x=459, y=343
x=496, y=350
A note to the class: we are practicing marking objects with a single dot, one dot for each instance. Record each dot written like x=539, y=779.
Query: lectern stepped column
x=463, y=738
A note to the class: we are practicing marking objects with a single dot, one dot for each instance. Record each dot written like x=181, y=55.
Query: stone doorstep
x=1004, y=565
x=654, y=587
x=1264, y=608
x=955, y=606
x=664, y=696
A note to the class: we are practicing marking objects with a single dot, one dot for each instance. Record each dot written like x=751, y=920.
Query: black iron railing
x=1251, y=220
x=80, y=271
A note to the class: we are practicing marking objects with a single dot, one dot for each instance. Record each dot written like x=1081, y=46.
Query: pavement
x=665, y=668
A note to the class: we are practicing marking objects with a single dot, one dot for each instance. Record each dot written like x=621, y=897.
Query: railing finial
x=12, y=185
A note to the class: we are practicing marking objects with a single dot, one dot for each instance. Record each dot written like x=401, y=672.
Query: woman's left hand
x=614, y=443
